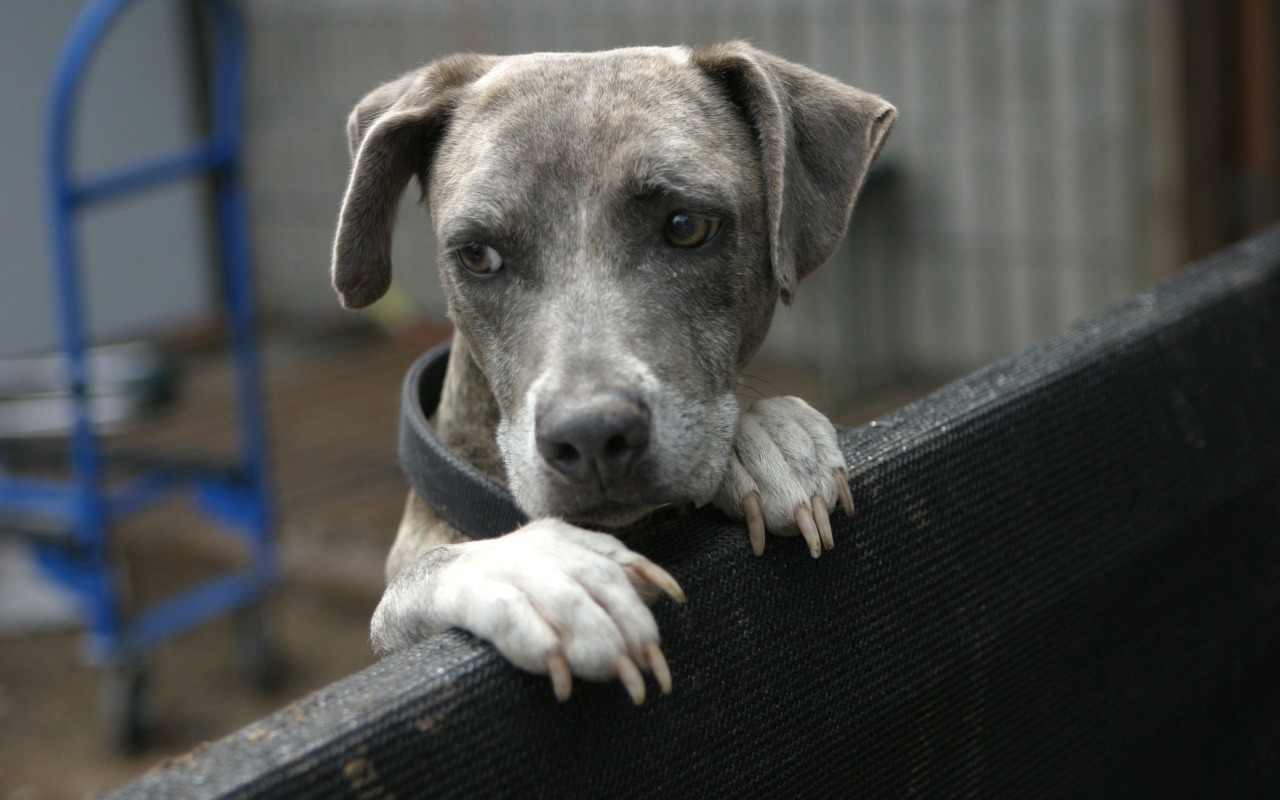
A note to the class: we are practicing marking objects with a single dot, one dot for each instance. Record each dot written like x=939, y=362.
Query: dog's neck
x=467, y=417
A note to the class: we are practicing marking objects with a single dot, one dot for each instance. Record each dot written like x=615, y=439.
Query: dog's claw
x=631, y=679
x=846, y=496
x=658, y=664
x=808, y=529
x=659, y=577
x=561, y=677
x=753, y=510
x=786, y=474
x=822, y=516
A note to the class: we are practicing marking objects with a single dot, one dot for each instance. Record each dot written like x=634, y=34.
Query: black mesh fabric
x=1063, y=581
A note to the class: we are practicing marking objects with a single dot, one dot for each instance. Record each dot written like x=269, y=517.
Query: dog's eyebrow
x=666, y=180
x=476, y=223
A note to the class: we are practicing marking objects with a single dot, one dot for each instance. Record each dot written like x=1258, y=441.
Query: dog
x=614, y=232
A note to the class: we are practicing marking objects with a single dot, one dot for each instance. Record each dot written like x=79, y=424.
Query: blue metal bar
x=141, y=492
x=187, y=162
x=94, y=579
x=85, y=502
x=58, y=500
x=44, y=498
x=238, y=273
x=201, y=604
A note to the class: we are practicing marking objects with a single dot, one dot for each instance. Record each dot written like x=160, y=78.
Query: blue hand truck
x=69, y=521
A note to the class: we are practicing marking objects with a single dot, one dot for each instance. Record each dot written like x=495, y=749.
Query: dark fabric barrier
x=1063, y=581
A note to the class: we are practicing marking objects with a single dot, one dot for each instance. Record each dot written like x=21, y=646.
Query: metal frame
x=70, y=521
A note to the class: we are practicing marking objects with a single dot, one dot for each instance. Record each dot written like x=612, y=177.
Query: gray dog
x=614, y=230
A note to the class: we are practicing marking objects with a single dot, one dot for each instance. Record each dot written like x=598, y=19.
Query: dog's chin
x=598, y=510
x=611, y=515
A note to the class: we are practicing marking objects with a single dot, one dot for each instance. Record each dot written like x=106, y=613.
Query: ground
x=332, y=405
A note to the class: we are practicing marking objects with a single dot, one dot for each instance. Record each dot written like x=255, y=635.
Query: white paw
x=556, y=599
x=786, y=474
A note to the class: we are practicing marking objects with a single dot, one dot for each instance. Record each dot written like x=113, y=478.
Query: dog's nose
x=601, y=436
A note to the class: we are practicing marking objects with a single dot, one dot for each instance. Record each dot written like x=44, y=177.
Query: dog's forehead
x=605, y=96
x=545, y=68
x=633, y=115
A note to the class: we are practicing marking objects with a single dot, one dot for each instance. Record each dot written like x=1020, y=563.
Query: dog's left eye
x=479, y=258
x=688, y=230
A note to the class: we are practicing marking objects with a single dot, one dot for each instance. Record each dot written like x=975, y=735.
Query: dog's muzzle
x=612, y=441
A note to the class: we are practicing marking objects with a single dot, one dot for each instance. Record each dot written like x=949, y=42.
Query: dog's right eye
x=687, y=230
x=479, y=258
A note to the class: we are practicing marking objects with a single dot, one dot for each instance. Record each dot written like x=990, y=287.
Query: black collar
x=462, y=495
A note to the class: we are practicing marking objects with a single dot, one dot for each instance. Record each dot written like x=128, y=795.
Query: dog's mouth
x=617, y=503
x=614, y=515
x=599, y=509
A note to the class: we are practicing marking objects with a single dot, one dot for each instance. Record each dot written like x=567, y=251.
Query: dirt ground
x=332, y=413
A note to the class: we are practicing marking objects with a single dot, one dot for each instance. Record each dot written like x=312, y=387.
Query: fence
x=1063, y=580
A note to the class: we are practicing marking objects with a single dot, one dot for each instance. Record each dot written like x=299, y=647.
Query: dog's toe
x=560, y=600
x=786, y=474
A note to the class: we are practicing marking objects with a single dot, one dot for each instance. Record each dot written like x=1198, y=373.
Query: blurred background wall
x=1050, y=155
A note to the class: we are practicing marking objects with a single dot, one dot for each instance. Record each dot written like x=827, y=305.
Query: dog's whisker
x=775, y=388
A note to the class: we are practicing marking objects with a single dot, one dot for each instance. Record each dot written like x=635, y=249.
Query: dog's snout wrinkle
x=594, y=439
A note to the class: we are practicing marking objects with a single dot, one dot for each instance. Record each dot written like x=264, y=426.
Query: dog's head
x=614, y=232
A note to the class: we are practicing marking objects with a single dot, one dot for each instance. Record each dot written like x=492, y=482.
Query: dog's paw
x=786, y=474
x=562, y=601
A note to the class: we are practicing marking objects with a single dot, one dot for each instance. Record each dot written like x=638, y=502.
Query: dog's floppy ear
x=392, y=132
x=817, y=138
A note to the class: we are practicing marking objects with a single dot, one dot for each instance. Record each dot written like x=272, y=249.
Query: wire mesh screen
x=1063, y=580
